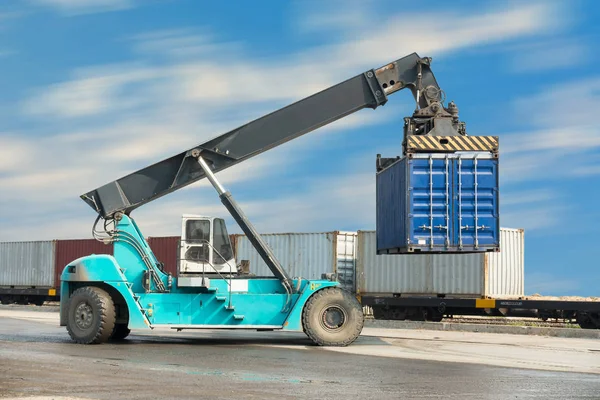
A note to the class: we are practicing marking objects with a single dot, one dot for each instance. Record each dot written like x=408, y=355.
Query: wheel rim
x=333, y=318
x=84, y=316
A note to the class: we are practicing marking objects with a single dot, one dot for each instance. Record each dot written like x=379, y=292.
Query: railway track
x=513, y=321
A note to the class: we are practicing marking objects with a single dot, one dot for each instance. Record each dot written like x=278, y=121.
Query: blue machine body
x=439, y=203
x=259, y=303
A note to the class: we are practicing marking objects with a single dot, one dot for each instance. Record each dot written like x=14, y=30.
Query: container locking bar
x=447, y=241
x=236, y=212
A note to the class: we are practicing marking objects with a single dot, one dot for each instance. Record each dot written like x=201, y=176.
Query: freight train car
x=422, y=286
x=27, y=272
x=431, y=287
x=403, y=287
x=30, y=271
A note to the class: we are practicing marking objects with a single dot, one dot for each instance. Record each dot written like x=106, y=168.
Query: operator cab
x=205, y=247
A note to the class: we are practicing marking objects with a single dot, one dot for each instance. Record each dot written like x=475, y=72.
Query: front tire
x=90, y=315
x=332, y=317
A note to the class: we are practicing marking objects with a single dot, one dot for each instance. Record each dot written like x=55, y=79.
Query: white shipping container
x=306, y=255
x=506, y=269
x=454, y=275
x=27, y=264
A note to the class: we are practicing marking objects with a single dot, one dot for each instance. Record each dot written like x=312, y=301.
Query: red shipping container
x=72, y=249
x=165, y=250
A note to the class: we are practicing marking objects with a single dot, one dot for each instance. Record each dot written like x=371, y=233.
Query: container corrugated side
x=166, y=250
x=27, y=264
x=306, y=255
x=417, y=274
x=459, y=275
x=438, y=203
x=506, y=269
x=71, y=249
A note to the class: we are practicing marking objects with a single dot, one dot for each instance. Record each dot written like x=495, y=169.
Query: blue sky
x=95, y=89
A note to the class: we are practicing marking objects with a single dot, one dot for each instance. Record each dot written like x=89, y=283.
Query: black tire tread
x=107, y=311
x=312, y=332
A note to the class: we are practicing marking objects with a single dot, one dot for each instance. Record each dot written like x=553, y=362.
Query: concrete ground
x=496, y=327
x=38, y=360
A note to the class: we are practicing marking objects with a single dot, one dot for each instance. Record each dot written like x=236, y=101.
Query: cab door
x=195, y=246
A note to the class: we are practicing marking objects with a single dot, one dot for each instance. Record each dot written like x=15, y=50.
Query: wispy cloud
x=559, y=137
x=547, y=284
x=587, y=170
x=191, y=87
x=93, y=91
x=531, y=209
x=335, y=17
x=217, y=76
x=76, y=7
x=535, y=217
x=549, y=54
x=559, y=143
x=528, y=197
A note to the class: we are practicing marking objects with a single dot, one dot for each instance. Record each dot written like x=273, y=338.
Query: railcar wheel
x=378, y=312
x=91, y=315
x=434, y=315
x=332, y=317
x=588, y=320
x=399, y=313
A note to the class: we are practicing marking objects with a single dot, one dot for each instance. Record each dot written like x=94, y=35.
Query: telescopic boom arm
x=367, y=90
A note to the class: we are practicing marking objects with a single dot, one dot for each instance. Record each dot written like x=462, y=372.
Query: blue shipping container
x=439, y=203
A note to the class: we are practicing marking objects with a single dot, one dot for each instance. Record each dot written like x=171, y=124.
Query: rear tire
x=332, y=317
x=90, y=315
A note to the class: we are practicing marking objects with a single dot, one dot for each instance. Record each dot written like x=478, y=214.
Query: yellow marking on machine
x=452, y=143
x=485, y=303
x=51, y=292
